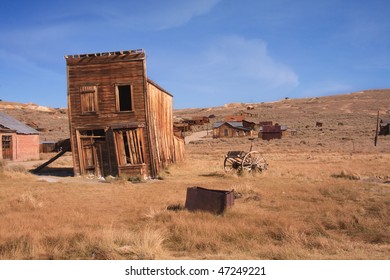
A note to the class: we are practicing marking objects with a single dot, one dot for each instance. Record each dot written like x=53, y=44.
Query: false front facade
x=120, y=121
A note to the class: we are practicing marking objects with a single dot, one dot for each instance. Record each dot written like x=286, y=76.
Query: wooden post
x=376, y=130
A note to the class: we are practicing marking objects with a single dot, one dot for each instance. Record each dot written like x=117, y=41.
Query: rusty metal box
x=203, y=199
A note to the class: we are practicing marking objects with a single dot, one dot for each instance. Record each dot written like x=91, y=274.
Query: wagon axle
x=239, y=161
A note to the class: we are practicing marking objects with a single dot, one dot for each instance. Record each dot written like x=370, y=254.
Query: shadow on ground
x=55, y=171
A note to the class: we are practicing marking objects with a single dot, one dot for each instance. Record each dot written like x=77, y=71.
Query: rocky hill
x=344, y=115
x=52, y=123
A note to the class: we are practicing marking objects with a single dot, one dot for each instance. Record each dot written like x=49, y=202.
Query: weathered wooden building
x=197, y=120
x=18, y=141
x=250, y=123
x=121, y=122
x=269, y=132
x=47, y=146
x=230, y=129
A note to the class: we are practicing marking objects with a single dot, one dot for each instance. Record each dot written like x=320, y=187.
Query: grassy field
x=325, y=195
x=328, y=201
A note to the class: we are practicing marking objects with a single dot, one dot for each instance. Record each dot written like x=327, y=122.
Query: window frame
x=7, y=146
x=225, y=132
x=117, y=98
x=84, y=106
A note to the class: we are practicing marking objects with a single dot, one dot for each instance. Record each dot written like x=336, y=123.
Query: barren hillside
x=346, y=118
x=353, y=108
x=351, y=114
x=325, y=194
x=50, y=122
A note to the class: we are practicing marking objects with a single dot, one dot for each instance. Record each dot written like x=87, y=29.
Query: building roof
x=116, y=53
x=273, y=128
x=105, y=57
x=158, y=86
x=236, y=125
x=11, y=123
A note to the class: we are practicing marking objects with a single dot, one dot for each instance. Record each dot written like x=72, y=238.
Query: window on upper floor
x=124, y=98
x=88, y=99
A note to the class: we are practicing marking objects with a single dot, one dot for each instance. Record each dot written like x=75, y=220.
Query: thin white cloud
x=229, y=69
x=250, y=59
x=41, y=43
x=156, y=15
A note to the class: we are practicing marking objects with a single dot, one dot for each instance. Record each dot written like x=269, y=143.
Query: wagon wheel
x=254, y=162
x=231, y=165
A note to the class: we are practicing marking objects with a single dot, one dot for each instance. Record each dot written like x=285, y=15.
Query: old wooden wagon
x=239, y=161
x=120, y=121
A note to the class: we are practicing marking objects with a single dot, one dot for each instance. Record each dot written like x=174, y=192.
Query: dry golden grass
x=324, y=196
x=305, y=206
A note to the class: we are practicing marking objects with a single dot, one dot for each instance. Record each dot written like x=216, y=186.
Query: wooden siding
x=226, y=131
x=269, y=132
x=179, y=148
x=104, y=73
x=270, y=135
x=160, y=125
x=134, y=139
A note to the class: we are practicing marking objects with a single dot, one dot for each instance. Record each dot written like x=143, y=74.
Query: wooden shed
x=121, y=122
x=268, y=132
x=198, y=120
x=19, y=142
x=230, y=129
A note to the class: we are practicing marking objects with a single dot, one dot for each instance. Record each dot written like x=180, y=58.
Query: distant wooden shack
x=180, y=128
x=269, y=132
x=121, y=122
x=250, y=124
x=18, y=141
x=47, y=147
x=198, y=120
x=230, y=129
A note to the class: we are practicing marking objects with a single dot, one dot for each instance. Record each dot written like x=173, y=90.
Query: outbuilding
x=230, y=129
x=19, y=142
x=269, y=132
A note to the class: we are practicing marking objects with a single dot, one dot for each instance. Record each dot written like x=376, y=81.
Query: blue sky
x=204, y=52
